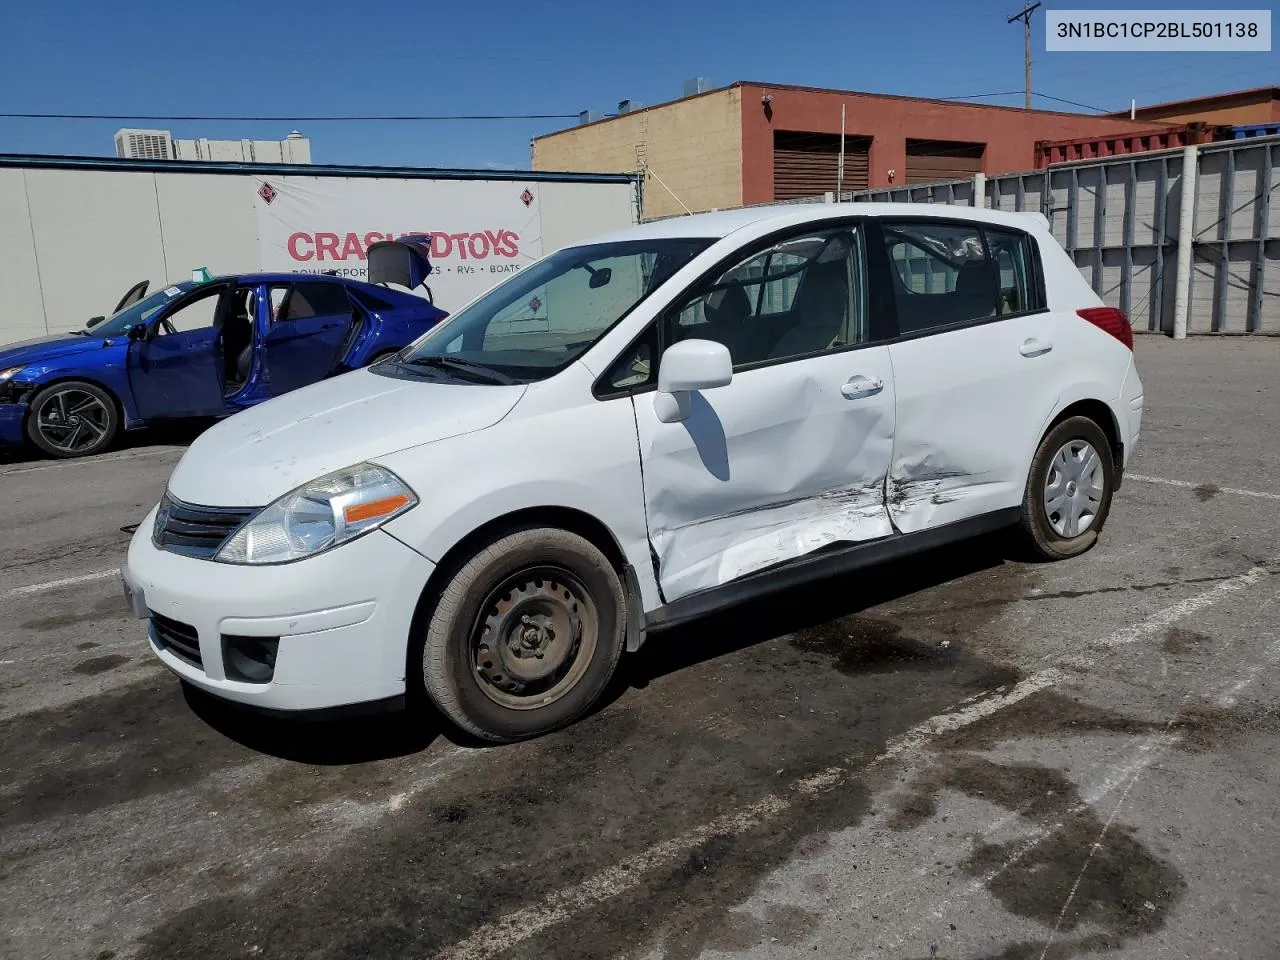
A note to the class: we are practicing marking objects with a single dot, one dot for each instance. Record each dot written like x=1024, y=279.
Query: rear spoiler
x=404, y=261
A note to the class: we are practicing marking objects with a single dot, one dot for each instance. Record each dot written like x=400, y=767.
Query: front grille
x=178, y=638
x=197, y=531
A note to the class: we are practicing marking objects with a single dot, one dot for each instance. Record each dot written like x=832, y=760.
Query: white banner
x=483, y=230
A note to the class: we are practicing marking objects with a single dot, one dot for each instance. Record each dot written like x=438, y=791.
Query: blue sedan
x=207, y=349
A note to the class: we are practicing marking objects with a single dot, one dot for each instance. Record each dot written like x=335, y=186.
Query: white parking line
x=526, y=923
x=1187, y=484
x=64, y=582
x=86, y=461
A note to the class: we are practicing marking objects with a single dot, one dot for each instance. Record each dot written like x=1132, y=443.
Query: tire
x=526, y=635
x=73, y=418
x=1082, y=509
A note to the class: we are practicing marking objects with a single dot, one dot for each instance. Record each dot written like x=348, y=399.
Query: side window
x=1014, y=257
x=196, y=315
x=801, y=296
x=315, y=299
x=940, y=273
x=277, y=301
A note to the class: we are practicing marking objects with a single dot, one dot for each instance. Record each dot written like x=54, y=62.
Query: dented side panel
x=969, y=407
x=775, y=465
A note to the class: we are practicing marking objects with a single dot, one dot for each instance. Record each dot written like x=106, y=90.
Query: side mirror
x=688, y=366
x=138, y=331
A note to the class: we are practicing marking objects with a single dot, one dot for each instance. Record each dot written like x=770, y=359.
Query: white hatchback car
x=631, y=433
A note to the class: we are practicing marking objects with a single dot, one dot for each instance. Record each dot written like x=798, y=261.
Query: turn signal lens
x=374, y=508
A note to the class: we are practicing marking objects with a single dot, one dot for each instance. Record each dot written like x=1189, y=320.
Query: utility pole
x=1025, y=17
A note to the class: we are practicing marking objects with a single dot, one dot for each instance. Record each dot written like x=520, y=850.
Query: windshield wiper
x=458, y=363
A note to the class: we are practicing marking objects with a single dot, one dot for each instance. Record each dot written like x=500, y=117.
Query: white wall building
x=134, y=144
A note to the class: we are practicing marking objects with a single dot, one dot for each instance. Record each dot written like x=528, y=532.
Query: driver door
x=790, y=456
x=175, y=369
x=310, y=321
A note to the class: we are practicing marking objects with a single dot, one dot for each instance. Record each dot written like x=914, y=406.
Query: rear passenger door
x=310, y=321
x=972, y=366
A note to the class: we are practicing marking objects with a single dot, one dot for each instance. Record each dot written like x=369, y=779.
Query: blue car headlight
x=320, y=515
x=9, y=374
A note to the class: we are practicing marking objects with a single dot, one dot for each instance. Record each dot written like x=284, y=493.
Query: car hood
x=262, y=453
x=45, y=348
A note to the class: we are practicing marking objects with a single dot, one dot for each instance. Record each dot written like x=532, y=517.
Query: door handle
x=1033, y=347
x=327, y=326
x=857, y=387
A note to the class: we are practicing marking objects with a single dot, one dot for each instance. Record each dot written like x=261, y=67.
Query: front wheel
x=1069, y=489
x=526, y=636
x=73, y=419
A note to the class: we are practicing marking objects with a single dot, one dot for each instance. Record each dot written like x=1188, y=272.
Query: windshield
x=543, y=318
x=118, y=324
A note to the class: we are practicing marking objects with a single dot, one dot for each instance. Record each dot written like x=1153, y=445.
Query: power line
x=357, y=118
x=1074, y=103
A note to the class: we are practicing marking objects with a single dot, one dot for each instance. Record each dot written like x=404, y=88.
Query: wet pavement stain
x=167, y=748
x=1111, y=880
x=1206, y=492
x=97, y=665
x=110, y=606
x=860, y=644
x=1178, y=640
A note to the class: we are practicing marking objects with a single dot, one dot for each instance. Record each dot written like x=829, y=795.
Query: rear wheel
x=1068, y=495
x=73, y=419
x=526, y=636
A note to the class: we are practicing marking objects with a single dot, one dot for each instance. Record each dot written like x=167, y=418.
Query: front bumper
x=342, y=619
x=13, y=415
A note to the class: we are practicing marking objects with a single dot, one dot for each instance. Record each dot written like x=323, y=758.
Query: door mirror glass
x=138, y=331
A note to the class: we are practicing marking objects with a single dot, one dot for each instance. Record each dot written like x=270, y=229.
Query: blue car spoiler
x=404, y=261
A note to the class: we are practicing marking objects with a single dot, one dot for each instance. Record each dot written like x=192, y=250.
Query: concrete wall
x=693, y=148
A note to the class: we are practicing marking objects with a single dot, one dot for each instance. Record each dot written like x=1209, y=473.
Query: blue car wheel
x=73, y=419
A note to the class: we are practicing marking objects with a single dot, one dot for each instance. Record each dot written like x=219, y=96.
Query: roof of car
x=721, y=223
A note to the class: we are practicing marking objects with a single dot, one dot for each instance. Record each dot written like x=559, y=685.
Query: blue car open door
x=310, y=324
x=174, y=361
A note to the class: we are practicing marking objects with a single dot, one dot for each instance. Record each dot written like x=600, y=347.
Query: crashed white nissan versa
x=631, y=433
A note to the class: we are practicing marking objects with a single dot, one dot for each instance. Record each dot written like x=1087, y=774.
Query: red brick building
x=757, y=142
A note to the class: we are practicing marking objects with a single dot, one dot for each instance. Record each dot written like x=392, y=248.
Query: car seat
x=821, y=308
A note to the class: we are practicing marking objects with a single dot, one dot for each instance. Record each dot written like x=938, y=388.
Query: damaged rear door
x=790, y=456
x=974, y=369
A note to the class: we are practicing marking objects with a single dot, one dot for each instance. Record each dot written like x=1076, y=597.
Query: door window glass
x=316, y=299
x=941, y=275
x=1013, y=259
x=801, y=296
x=197, y=315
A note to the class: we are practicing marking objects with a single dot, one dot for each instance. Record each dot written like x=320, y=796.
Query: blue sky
x=324, y=57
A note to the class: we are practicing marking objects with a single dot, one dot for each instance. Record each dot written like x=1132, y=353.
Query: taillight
x=1111, y=320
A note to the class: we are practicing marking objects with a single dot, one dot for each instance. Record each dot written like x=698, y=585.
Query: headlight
x=7, y=375
x=324, y=513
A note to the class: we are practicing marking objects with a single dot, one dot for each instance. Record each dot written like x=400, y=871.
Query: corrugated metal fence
x=1119, y=218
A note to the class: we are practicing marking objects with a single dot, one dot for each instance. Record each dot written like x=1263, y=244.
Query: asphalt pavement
x=955, y=756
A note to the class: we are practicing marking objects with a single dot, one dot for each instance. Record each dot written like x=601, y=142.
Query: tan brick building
x=755, y=143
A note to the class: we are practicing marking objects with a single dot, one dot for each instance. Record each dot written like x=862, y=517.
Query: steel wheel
x=1074, y=488
x=73, y=421
x=534, y=637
